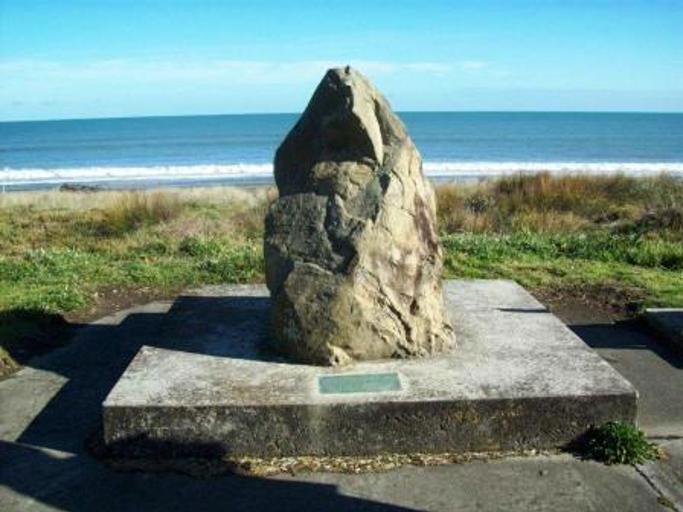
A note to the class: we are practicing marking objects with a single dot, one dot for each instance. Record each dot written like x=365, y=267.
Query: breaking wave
x=189, y=173
x=484, y=169
x=151, y=173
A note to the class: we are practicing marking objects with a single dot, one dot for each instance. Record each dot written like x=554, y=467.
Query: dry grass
x=34, y=220
x=544, y=203
x=67, y=200
x=133, y=210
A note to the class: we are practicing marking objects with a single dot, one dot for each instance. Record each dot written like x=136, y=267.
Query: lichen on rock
x=353, y=260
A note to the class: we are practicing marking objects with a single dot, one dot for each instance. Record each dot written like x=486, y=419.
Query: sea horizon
x=397, y=112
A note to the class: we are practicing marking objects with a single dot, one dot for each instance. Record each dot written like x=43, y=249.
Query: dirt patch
x=113, y=299
x=247, y=466
x=592, y=303
x=25, y=334
x=28, y=333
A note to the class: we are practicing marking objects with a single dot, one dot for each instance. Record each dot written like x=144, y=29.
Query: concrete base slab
x=518, y=379
x=669, y=323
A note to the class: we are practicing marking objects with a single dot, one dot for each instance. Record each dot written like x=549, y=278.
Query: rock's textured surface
x=353, y=261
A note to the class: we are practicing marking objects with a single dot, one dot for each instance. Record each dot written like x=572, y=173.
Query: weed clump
x=619, y=442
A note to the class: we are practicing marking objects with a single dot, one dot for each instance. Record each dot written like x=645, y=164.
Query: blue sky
x=105, y=58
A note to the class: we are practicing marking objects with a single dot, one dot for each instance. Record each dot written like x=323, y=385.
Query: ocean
x=238, y=149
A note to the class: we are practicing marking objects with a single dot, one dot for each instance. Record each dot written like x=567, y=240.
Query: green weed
x=618, y=442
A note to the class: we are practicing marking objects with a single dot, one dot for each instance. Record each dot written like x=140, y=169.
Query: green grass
x=650, y=269
x=618, y=442
x=62, y=253
x=66, y=279
x=599, y=247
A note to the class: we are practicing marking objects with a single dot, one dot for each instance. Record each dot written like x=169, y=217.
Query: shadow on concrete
x=219, y=326
x=79, y=483
x=524, y=310
x=26, y=333
x=633, y=349
x=632, y=334
x=91, y=364
x=100, y=353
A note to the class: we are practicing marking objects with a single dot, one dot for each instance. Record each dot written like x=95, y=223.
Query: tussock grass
x=560, y=204
x=83, y=201
x=133, y=210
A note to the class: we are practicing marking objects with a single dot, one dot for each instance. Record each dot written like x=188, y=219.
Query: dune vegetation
x=613, y=239
x=71, y=256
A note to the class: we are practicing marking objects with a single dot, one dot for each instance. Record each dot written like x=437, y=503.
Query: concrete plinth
x=519, y=378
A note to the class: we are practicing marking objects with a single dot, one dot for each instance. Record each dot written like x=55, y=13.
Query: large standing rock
x=353, y=261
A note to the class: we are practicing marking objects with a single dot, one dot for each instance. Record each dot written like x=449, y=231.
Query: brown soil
x=42, y=332
x=112, y=299
x=591, y=303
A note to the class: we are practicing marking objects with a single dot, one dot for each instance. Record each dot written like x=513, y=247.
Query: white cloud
x=236, y=71
x=119, y=87
x=473, y=65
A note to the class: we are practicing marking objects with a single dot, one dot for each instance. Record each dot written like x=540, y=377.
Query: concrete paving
x=48, y=409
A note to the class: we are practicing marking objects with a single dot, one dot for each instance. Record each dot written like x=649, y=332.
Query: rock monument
x=353, y=260
x=353, y=264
